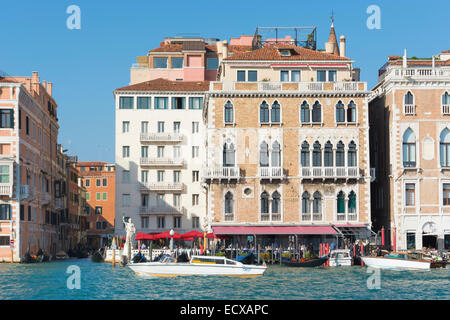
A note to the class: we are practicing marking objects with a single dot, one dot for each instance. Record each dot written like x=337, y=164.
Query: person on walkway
x=143, y=246
x=333, y=246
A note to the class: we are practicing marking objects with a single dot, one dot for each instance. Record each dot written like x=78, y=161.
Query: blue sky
x=86, y=65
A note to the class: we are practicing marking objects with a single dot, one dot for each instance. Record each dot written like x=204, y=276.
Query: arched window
x=276, y=154
x=264, y=154
x=409, y=149
x=446, y=99
x=340, y=155
x=264, y=112
x=317, y=202
x=351, y=160
x=317, y=112
x=306, y=206
x=317, y=154
x=351, y=112
x=328, y=155
x=276, y=202
x=275, y=112
x=229, y=116
x=445, y=148
x=409, y=98
x=229, y=203
x=351, y=202
x=340, y=112
x=228, y=155
x=304, y=158
x=341, y=202
x=304, y=112
x=264, y=202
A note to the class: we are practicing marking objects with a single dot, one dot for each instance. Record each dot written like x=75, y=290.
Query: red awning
x=192, y=234
x=166, y=234
x=274, y=230
x=144, y=236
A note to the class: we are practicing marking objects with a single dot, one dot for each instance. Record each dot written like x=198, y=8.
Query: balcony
x=6, y=189
x=162, y=186
x=265, y=217
x=161, y=137
x=313, y=217
x=270, y=173
x=161, y=162
x=59, y=204
x=221, y=173
x=329, y=173
x=301, y=87
x=410, y=109
x=162, y=210
x=446, y=109
x=418, y=73
x=45, y=197
x=347, y=217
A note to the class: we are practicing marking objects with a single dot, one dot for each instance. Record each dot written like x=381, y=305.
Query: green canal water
x=101, y=281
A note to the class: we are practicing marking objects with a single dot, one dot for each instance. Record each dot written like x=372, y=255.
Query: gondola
x=307, y=263
x=97, y=257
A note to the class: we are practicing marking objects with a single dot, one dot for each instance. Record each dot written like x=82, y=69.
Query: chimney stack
x=49, y=88
x=35, y=77
x=342, y=46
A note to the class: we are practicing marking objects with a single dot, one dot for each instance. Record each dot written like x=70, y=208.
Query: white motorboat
x=401, y=260
x=197, y=266
x=340, y=257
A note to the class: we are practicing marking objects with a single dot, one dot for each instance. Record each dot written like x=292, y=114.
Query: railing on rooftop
x=308, y=87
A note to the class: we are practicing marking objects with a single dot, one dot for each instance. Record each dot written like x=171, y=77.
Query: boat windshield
x=396, y=255
x=167, y=259
x=208, y=260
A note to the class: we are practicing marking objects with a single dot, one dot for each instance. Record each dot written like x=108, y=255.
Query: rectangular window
x=241, y=75
x=195, y=150
x=126, y=200
x=195, y=103
x=98, y=225
x=284, y=75
x=144, y=127
x=126, y=176
x=144, y=176
x=160, y=176
x=143, y=102
x=195, y=175
x=446, y=194
x=4, y=241
x=98, y=210
x=176, y=127
x=88, y=210
x=88, y=196
x=160, y=202
x=126, y=102
x=125, y=151
x=195, y=199
x=98, y=196
x=195, y=222
x=161, y=103
x=176, y=200
x=161, y=222
x=125, y=126
x=105, y=196
x=410, y=194
x=144, y=200
x=212, y=63
x=177, y=63
x=29, y=213
x=160, y=126
x=88, y=183
x=410, y=241
x=253, y=76
x=7, y=118
x=321, y=75
x=144, y=152
x=27, y=125
x=176, y=176
x=177, y=222
x=332, y=76
x=176, y=152
x=160, y=152
x=98, y=182
x=295, y=75
x=178, y=103
x=160, y=62
x=5, y=212
x=144, y=222
x=194, y=127
x=4, y=174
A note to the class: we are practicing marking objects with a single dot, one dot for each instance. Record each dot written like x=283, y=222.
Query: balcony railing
x=6, y=190
x=161, y=162
x=268, y=217
x=262, y=86
x=45, y=197
x=446, y=109
x=270, y=172
x=162, y=210
x=418, y=73
x=347, y=217
x=161, y=137
x=311, y=216
x=410, y=109
x=59, y=203
x=329, y=172
x=229, y=217
x=221, y=172
x=162, y=186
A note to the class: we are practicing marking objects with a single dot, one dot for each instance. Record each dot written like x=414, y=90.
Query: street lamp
x=171, y=239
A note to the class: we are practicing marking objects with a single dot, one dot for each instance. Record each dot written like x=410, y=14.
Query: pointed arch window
x=341, y=202
x=229, y=202
x=317, y=154
x=275, y=112
x=276, y=154
x=446, y=98
x=229, y=112
x=276, y=202
x=351, y=160
x=351, y=112
x=340, y=112
x=328, y=155
x=264, y=154
x=351, y=202
x=340, y=155
x=445, y=148
x=264, y=202
x=264, y=112
x=306, y=205
x=317, y=203
x=304, y=158
x=304, y=112
x=409, y=98
x=317, y=112
x=228, y=155
x=409, y=149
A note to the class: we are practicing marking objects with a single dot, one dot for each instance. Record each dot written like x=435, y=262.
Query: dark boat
x=97, y=257
x=246, y=258
x=307, y=263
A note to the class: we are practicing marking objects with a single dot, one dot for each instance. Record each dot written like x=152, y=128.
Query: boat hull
x=307, y=264
x=340, y=262
x=392, y=263
x=194, y=269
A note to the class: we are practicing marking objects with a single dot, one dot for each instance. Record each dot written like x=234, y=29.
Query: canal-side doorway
x=429, y=241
